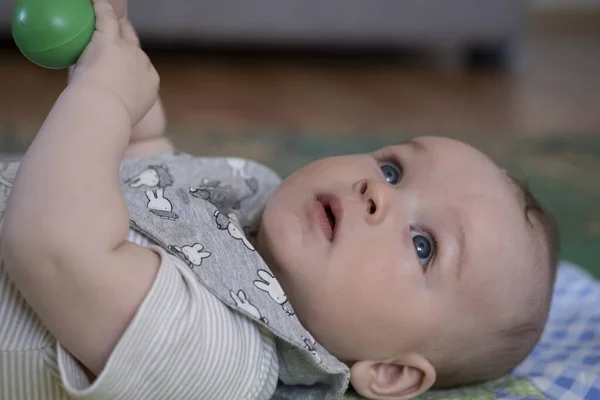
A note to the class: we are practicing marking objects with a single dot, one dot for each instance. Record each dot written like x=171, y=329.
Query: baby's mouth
x=328, y=214
x=330, y=217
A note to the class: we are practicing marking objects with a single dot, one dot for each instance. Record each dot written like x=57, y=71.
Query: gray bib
x=203, y=211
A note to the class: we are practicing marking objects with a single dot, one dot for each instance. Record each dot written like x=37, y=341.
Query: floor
x=554, y=90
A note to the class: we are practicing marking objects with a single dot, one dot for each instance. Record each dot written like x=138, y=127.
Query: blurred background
x=286, y=82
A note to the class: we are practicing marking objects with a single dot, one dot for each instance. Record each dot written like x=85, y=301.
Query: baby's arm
x=148, y=135
x=66, y=223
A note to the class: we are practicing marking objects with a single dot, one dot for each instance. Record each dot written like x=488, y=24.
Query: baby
x=421, y=265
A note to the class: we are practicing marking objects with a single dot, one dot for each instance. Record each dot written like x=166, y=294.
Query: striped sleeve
x=26, y=349
x=183, y=343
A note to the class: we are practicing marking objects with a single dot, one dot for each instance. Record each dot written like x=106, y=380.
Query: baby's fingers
x=106, y=19
x=128, y=33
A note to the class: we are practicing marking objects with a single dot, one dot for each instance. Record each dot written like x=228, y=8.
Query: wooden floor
x=555, y=90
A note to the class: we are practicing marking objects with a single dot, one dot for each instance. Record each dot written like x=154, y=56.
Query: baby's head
x=420, y=265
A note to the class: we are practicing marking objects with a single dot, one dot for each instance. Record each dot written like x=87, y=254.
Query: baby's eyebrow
x=460, y=239
x=414, y=144
x=452, y=245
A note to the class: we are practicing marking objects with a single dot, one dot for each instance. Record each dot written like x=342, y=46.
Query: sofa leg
x=450, y=57
x=505, y=56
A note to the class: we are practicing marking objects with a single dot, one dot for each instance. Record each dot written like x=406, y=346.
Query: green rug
x=563, y=171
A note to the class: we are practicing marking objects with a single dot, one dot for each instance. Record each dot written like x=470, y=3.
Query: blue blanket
x=566, y=362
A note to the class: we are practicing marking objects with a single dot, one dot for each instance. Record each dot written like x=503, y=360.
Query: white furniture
x=442, y=24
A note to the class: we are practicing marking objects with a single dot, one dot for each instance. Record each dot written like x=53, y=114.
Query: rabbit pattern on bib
x=206, y=212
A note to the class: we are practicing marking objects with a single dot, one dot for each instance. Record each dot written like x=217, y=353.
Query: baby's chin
x=261, y=246
x=266, y=245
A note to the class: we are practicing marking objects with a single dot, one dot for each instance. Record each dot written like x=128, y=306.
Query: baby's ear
x=401, y=379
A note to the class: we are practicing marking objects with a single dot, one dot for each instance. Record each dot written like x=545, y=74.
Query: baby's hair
x=542, y=220
x=508, y=347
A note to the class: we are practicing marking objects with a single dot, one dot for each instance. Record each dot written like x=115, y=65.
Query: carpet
x=563, y=171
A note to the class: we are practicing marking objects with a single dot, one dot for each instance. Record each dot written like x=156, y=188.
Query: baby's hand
x=114, y=61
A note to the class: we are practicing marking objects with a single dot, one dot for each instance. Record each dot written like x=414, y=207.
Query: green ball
x=53, y=33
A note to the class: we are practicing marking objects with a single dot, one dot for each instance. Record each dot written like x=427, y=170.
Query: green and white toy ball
x=53, y=33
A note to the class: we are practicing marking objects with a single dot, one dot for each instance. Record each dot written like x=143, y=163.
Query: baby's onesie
x=200, y=215
x=183, y=343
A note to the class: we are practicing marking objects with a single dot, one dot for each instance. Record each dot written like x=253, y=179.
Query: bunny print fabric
x=206, y=211
x=8, y=171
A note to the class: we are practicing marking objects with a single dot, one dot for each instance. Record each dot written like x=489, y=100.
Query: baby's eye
x=424, y=246
x=392, y=173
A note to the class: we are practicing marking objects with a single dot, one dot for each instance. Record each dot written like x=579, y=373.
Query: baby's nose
x=376, y=197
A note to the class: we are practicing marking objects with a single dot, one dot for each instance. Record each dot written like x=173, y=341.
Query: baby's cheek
x=379, y=261
x=361, y=277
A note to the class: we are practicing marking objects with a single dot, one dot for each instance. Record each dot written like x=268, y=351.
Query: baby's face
x=379, y=252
